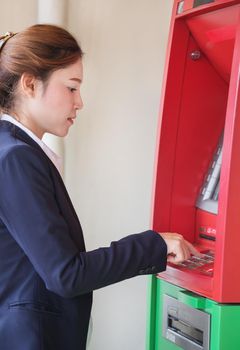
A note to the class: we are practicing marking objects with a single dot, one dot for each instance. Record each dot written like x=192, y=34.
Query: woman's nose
x=78, y=102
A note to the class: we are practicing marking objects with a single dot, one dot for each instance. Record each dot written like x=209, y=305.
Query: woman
x=46, y=276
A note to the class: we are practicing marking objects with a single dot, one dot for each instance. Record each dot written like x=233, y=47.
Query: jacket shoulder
x=23, y=154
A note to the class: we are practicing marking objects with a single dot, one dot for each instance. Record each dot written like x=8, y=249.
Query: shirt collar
x=57, y=161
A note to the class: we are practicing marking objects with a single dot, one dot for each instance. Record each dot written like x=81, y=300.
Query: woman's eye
x=72, y=89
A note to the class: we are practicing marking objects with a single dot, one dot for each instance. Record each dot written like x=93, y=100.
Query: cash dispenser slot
x=184, y=325
x=185, y=329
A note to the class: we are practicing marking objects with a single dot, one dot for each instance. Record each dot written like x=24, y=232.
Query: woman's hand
x=178, y=249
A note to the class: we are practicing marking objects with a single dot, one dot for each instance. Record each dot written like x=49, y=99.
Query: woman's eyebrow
x=76, y=79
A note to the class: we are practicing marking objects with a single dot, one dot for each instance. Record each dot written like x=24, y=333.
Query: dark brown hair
x=38, y=50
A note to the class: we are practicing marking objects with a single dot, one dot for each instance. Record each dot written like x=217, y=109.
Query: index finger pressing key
x=193, y=250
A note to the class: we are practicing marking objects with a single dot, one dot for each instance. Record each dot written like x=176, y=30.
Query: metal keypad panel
x=203, y=265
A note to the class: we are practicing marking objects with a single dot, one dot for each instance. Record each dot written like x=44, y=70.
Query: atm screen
x=208, y=198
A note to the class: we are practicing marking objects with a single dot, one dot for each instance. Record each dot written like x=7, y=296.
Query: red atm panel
x=199, y=137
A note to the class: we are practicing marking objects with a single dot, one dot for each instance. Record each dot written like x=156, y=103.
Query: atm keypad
x=203, y=265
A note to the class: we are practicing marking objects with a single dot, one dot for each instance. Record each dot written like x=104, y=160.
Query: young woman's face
x=54, y=107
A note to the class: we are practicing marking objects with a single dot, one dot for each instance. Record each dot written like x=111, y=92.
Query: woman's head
x=38, y=50
x=35, y=52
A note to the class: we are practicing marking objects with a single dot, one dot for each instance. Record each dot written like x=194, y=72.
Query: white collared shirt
x=57, y=161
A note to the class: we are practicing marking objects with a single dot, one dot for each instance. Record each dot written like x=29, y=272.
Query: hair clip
x=4, y=38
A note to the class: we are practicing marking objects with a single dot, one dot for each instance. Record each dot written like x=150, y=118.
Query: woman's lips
x=71, y=120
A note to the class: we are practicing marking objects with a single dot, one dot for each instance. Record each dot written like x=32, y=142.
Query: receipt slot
x=180, y=319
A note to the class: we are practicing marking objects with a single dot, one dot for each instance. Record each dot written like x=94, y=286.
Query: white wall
x=15, y=15
x=110, y=151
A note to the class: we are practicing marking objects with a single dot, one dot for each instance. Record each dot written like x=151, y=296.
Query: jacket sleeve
x=29, y=210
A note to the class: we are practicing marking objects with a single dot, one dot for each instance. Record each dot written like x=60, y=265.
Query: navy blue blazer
x=46, y=276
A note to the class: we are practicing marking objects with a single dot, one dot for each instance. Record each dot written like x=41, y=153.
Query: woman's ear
x=28, y=84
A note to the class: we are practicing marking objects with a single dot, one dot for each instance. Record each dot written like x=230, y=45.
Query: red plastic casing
x=200, y=100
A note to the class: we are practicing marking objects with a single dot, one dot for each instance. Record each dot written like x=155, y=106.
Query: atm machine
x=196, y=304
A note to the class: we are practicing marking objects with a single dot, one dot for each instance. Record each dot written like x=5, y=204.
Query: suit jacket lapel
x=20, y=134
x=23, y=136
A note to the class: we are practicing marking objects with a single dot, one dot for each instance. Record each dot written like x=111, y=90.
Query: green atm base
x=179, y=319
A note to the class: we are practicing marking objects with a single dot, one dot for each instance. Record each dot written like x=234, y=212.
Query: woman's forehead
x=72, y=72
